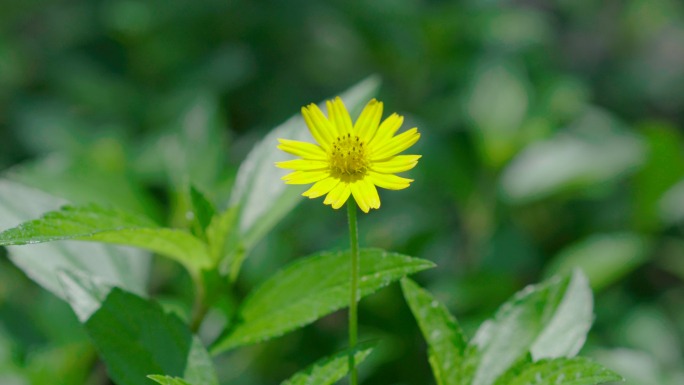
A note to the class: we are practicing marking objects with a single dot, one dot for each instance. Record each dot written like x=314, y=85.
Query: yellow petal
x=359, y=196
x=338, y=115
x=322, y=187
x=367, y=123
x=319, y=119
x=399, y=163
x=386, y=130
x=303, y=149
x=396, y=145
x=303, y=165
x=319, y=131
x=305, y=177
x=365, y=194
x=388, y=181
x=338, y=195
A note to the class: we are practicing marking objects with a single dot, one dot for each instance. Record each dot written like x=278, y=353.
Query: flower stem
x=353, y=314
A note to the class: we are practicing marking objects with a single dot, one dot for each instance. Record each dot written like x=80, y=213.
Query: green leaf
x=441, y=331
x=563, y=371
x=331, y=369
x=167, y=380
x=671, y=204
x=312, y=288
x=195, y=152
x=548, y=320
x=110, y=225
x=590, y=153
x=134, y=336
x=258, y=190
x=124, y=267
x=497, y=125
x=663, y=168
x=222, y=234
x=202, y=209
x=605, y=258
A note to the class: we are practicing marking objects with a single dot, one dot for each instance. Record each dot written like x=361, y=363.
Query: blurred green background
x=551, y=139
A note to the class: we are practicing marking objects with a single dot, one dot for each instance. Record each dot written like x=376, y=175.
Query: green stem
x=200, y=308
x=353, y=312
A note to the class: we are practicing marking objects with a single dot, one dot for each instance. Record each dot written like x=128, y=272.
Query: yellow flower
x=350, y=160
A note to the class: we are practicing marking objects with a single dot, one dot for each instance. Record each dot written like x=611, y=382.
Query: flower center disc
x=348, y=155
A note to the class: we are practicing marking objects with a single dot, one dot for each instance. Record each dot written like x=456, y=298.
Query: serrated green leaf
x=110, y=225
x=312, y=288
x=134, y=336
x=258, y=190
x=124, y=267
x=167, y=380
x=549, y=320
x=563, y=371
x=440, y=329
x=331, y=369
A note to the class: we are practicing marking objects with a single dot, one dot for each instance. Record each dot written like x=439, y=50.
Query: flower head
x=350, y=159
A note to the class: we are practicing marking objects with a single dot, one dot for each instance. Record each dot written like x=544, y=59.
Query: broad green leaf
x=589, y=153
x=548, y=320
x=563, y=371
x=329, y=370
x=167, y=380
x=96, y=173
x=312, y=288
x=124, y=267
x=441, y=331
x=134, y=336
x=110, y=225
x=258, y=190
x=605, y=258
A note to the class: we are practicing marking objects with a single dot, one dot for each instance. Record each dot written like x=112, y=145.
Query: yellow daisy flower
x=350, y=160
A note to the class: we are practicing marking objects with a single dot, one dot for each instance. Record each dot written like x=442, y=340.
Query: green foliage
x=545, y=321
x=548, y=320
x=605, y=257
x=203, y=210
x=442, y=332
x=126, y=268
x=135, y=337
x=329, y=370
x=168, y=380
x=109, y=225
x=563, y=371
x=309, y=289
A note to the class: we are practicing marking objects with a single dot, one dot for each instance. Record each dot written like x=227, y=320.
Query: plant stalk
x=353, y=310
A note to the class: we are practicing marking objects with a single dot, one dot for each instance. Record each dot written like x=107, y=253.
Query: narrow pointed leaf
x=441, y=331
x=203, y=209
x=134, y=336
x=549, y=320
x=562, y=371
x=109, y=225
x=329, y=370
x=120, y=266
x=312, y=288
